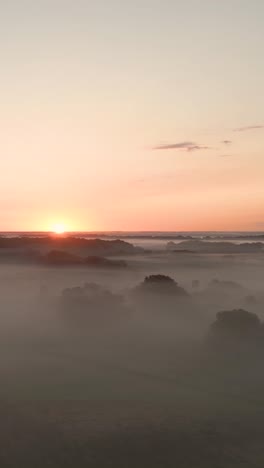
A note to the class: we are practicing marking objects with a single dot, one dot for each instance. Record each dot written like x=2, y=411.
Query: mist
x=163, y=343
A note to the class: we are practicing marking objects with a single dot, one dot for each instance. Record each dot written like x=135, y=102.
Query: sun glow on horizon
x=59, y=228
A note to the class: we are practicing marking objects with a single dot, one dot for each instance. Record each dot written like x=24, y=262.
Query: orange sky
x=119, y=116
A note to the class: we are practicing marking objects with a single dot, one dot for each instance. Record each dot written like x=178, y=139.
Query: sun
x=59, y=228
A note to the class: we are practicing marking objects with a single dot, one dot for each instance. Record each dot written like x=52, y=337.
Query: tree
x=237, y=324
x=162, y=284
x=91, y=303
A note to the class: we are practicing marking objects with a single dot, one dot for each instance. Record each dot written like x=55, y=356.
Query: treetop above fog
x=161, y=284
x=237, y=323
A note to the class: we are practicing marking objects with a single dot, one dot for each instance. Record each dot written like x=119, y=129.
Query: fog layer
x=150, y=359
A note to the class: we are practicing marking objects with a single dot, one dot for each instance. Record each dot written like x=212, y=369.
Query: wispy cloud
x=249, y=127
x=185, y=146
x=224, y=155
x=227, y=142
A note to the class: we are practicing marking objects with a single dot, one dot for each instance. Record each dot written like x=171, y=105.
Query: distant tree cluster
x=60, y=258
x=94, y=301
x=161, y=284
x=90, y=301
x=161, y=293
x=236, y=326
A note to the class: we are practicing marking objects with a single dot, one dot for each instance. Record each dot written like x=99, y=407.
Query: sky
x=132, y=115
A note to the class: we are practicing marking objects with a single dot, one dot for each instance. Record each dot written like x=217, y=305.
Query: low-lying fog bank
x=154, y=360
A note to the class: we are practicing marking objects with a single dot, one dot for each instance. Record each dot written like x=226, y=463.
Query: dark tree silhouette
x=60, y=258
x=236, y=324
x=161, y=284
